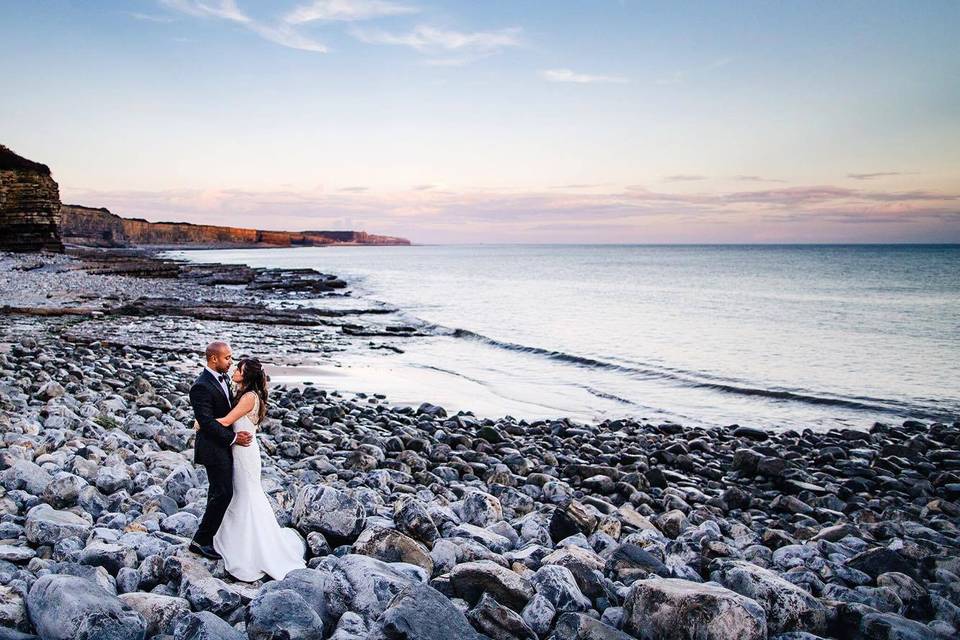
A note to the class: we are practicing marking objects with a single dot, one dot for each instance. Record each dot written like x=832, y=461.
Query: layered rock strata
x=101, y=228
x=29, y=205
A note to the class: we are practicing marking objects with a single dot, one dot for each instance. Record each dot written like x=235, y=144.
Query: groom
x=211, y=397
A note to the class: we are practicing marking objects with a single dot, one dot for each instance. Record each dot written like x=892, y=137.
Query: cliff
x=100, y=228
x=29, y=205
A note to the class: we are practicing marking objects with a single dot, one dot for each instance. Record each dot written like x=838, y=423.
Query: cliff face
x=99, y=227
x=29, y=205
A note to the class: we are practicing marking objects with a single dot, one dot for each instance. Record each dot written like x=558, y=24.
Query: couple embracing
x=238, y=523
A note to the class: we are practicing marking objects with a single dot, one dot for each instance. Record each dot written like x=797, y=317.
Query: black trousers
x=219, y=494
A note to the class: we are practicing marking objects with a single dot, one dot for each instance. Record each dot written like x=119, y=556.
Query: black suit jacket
x=213, y=439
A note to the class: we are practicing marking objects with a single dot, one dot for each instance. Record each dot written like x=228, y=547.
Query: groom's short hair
x=214, y=348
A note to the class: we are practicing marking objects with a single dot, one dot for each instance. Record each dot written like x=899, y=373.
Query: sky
x=558, y=121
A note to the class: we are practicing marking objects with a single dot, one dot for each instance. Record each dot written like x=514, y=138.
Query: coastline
x=554, y=528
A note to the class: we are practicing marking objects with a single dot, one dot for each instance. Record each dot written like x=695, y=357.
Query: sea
x=779, y=337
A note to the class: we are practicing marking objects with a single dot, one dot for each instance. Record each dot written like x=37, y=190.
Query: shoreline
x=549, y=528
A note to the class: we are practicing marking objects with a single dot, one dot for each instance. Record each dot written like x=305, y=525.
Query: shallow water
x=777, y=336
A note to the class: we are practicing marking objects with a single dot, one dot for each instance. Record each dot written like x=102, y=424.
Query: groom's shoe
x=207, y=551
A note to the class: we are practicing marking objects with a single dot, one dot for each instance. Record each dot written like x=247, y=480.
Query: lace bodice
x=254, y=414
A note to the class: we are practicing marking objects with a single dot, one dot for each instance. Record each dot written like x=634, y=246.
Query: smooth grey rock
x=183, y=524
x=539, y=614
x=335, y=514
x=26, y=475
x=282, y=614
x=890, y=626
x=128, y=580
x=788, y=607
x=672, y=609
x=45, y=525
x=13, y=553
x=111, y=557
x=205, y=626
x=390, y=545
x=318, y=589
x=558, y=585
x=13, y=609
x=497, y=621
x=481, y=509
x=413, y=519
x=366, y=585
x=112, y=479
x=579, y=626
x=63, y=490
x=350, y=627
x=63, y=607
x=203, y=591
x=419, y=612
x=160, y=612
x=471, y=580
x=880, y=560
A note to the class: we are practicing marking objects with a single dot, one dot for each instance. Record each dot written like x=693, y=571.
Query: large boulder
x=366, y=585
x=580, y=626
x=390, y=545
x=471, y=580
x=46, y=525
x=316, y=587
x=420, y=612
x=874, y=562
x=282, y=613
x=13, y=609
x=558, y=585
x=788, y=607
x=202, y=590
x=26, y=475
x=672, y=609
x=205, y=626
x=413, y=519
x=481, y=509
x=337, y=515
x=160, y=612
x=63, y=607
x=497, y=621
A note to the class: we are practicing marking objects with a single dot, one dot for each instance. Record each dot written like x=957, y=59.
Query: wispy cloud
x=224, y=9
x=444, y=46
x=346, y=11
x=871, y=176
x=684, y=177
x=286, y=35
x=743, y=178
x=149, y=17
x=280, y=33
x=567, y=75
x=355, y=189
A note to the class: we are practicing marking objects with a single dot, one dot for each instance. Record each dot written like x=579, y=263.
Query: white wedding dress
x=250, y=540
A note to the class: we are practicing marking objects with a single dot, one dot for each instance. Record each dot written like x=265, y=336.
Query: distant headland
x=32, y=218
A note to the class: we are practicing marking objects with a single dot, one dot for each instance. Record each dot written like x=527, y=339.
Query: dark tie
x=226, y=383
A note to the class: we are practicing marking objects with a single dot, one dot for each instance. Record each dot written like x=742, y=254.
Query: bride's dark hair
x=254, y=379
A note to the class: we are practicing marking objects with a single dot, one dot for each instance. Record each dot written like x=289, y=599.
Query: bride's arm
x=244, y=406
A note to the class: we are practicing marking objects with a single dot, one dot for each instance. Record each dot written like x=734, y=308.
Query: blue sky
x=493, y=121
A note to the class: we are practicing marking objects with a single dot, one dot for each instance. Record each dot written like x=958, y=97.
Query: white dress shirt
x=226, y=391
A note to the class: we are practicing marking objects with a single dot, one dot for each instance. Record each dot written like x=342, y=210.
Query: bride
x=250, y=539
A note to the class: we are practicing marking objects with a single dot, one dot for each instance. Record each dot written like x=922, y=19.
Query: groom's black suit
x=213, y=450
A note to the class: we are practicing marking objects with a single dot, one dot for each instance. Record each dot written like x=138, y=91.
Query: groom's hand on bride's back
x=244, y=438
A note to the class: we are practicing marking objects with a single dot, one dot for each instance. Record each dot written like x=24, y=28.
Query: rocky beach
x=422, y=524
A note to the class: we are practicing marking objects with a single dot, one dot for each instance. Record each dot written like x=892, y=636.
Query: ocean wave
x=693, y=379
